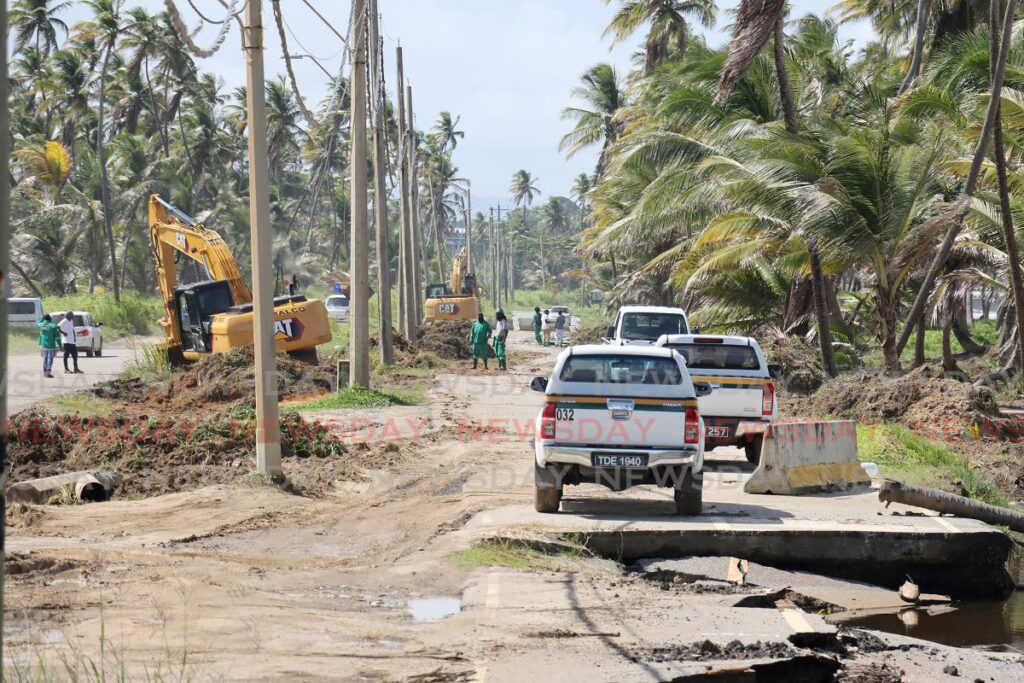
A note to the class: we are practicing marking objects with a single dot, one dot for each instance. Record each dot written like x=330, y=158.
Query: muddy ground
x=243, y=581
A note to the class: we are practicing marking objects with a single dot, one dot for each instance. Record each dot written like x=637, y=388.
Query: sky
x=505, y=67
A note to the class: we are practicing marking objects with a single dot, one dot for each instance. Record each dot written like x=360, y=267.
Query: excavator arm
x=174, y=232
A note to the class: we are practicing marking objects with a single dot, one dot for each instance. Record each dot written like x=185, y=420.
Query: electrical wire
x=186, y=36
x=278, y=19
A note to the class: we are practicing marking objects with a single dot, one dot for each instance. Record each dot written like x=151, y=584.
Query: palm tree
x=667, y=21
x=105, y=28
x=523, y=190
x=282, y=126
x=35, y=21
x=756, y=22
x=596, y=123
x=580, y=187
x=445, y=131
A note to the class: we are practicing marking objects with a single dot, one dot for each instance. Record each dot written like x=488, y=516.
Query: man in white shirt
x=67, y=333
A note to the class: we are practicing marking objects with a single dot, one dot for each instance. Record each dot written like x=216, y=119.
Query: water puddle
x=433, y=609
x=991, y=625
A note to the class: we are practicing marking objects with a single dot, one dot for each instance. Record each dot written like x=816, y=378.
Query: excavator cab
x=197, y=303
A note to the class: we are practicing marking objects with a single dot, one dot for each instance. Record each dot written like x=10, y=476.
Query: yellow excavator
x=215, y=315
x=455, y=300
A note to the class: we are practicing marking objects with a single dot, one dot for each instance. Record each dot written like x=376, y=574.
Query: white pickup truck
x=642, y=325
x=619, y=417
x=743, y=402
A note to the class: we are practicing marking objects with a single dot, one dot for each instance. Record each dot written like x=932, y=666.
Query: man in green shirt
x=478, y=337
x=48, y=335
x=538, y=322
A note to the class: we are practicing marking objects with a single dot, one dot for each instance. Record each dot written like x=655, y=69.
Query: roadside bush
x=136, y=314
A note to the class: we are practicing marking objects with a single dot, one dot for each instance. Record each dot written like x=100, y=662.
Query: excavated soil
x=590, y=335
x=448, y=340
x=195, y=428
x=801, y=365
x=922, y=400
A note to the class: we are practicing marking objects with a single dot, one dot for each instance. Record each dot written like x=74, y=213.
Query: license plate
x=717, y=432
x=618, y=460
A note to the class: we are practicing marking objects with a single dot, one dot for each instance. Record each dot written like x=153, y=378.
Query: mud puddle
x=986, y=624
x=433, y=609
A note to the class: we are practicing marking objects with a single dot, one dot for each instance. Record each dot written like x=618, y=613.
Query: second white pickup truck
x=642, y=325
x=619, y=416
x=743, y=400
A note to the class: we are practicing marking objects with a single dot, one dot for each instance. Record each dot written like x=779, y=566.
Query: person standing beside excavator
x=538, y=322
x=501, y=330
x=478, y=336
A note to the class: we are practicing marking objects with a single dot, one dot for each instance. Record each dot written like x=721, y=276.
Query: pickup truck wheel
x=753, y=449
x=547, y=500
x=99, y=350
x=88, y=352
x=689, y=496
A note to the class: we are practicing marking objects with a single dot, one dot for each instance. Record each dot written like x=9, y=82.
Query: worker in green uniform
x=500, y=335
x=538, y=322
x=478, y=337
x=48, y=335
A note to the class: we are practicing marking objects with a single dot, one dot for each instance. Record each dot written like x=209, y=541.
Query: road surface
x=27, y=384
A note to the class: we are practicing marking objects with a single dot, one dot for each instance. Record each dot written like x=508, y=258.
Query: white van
x=24, y=311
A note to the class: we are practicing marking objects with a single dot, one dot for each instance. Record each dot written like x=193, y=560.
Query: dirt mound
x=801, y=365
x=922, y=399
x=159, y=455
x=448, y=340
x=220, y=378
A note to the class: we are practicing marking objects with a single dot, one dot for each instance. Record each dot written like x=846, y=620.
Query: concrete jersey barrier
x=805, y=457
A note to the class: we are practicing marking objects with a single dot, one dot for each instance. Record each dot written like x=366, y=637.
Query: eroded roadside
x=243, y=581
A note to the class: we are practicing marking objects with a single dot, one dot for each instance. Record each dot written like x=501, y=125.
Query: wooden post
x=420, y=253
x=359, y=318
x=409, y=315
x=380, y=195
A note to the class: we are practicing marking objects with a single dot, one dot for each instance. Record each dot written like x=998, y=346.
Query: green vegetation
x=136, y=314
x=902, y=454
x=22, y=341
x=359, y=397
x=512, y=555
x=80, y=403
x=150, y=363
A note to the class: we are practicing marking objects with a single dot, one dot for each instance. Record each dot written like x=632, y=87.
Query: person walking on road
x=478, y=337
x=48, y=335
x=560, y=329
x=67, y=331
x=500, y=335
x=537, y=325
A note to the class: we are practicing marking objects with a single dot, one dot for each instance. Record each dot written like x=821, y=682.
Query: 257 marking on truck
x=288, y=329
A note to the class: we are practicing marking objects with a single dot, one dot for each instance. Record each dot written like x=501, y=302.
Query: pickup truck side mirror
x=539, y=383
x=775, y=371
x=610, y=332
x=702, y=389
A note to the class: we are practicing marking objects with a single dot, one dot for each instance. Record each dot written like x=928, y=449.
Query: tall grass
x=151, y=361
x=136, y=314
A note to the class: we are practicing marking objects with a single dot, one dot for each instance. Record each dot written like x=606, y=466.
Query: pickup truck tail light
x=691, y=430
x=767, y=399
x=82, y=333
x=547, y=421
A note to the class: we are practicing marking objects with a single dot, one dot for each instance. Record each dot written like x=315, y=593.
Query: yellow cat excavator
x=457, y=300
x=215, y=315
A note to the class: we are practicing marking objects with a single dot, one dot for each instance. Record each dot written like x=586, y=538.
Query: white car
x=743, y=402
x=619, y=416
x=643, y=325
x=88, y=332
x=24, y=311
x=337, y=307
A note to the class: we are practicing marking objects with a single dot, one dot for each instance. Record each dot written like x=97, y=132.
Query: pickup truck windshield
x=612, y=369
x=718, y=356
x=650, y=326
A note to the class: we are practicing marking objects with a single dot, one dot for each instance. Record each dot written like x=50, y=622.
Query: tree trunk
x=1009, y=236
x=915, y=61
x=785, y=94
x=543, y=263
x=919, y=358
x=949, y=363
x=820, y=310
x=108, y=217
x=887, y=335
x=962, y=332
x=962, y=205
x=28, y=281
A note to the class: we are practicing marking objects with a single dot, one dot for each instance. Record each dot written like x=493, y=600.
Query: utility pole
x=380, y=196
x=420, y=259
x=268, y=426
x=5, y=258
x=408, y=314
x=469, y=229
x=494, y=262
x=359, y=320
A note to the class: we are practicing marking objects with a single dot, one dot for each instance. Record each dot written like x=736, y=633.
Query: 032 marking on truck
x=564, y=414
